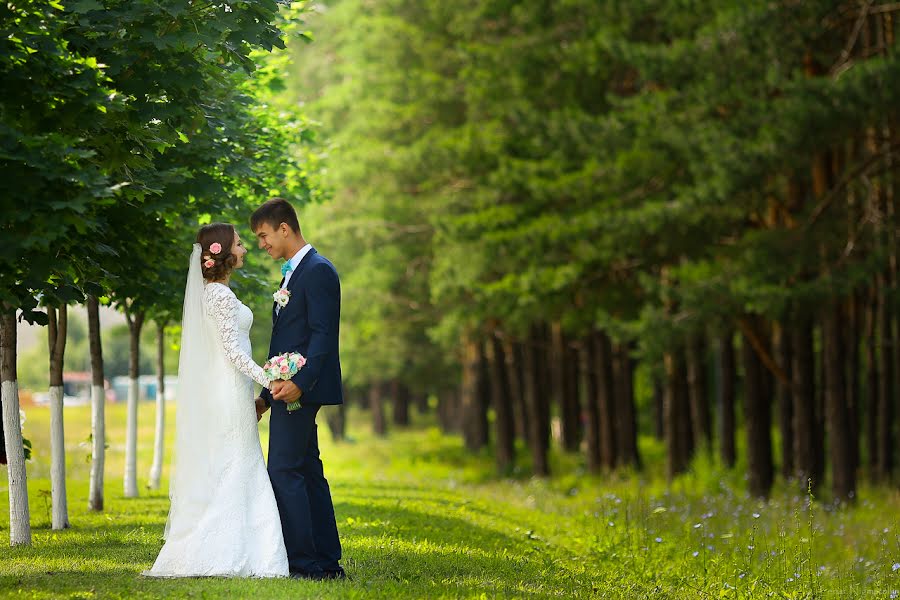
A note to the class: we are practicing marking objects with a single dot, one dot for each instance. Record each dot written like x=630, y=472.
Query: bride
x=223, y=520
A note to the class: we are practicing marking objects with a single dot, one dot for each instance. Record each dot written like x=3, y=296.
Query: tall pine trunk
x=626, y=413
x=676, y=414
x=699, y=400
x=854, y=370
x=135, y=323
x=19, y=515
x=843, y=473
x=806, y=458
x=159, y=436
x=512, y=353
x=587, y=386
x=473, y=402
x=563, y=392
x=56, y=337
x=534, y=394
x=401, y=398
x=781, y=345
x=376, y=405
x=726, y=399
x=870, y=407
x=603, y=372
x=504, y=427
x=757, y=417
x=98, y=407
x=885, y=409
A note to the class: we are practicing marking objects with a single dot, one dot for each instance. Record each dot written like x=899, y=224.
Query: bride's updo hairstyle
x=216, y=240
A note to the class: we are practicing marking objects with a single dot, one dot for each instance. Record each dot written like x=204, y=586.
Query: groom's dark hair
x=274, y=212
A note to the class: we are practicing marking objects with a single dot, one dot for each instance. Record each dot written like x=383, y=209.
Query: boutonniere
x=282, y=297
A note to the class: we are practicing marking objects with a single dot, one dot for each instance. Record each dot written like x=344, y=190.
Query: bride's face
x=238, y=250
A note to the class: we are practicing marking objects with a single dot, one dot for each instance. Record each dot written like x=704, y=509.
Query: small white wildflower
x=695, y=553
x=894, y=594
x=895, y=566
x=698, y=525
x=658, y=540
x=755, y=515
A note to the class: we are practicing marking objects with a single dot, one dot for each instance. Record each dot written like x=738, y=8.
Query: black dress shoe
x=336, y=574
x=314, y=576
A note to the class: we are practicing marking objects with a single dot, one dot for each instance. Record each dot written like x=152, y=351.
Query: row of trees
x=123, y=126
x=536, y=201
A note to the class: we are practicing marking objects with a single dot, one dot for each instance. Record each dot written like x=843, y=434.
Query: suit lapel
x=295, y=277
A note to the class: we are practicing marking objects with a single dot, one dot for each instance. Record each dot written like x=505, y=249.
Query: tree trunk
x=805, y=445
x=504, y=427
x=561, y=390
x=534, y=396
x=376, y=405
x=512, y=352
x=56, y=337
x=726, y=400
x=400, y=399
x=337, y=422
x=677, y=423
x=571, y=427
x=603, y=372
x=699, y=399
x=587, y=385
x=135, y=323
x=758, y=418
x=870, y=410
x=98, y=407
x=781, y=345
x=159, y=437
x=885, y=410
x=854, y=368
x=659, y=430
x=19, y=516
x=473, y=409
x=837, y=417
x=448, y=410
x=626, y=419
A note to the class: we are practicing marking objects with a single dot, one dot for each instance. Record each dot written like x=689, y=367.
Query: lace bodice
x=233, y=321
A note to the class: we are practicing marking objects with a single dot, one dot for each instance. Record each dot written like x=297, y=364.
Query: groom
x=307, y=324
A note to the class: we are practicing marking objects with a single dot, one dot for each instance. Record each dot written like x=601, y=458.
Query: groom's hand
x=286, y=391
x=261, y=408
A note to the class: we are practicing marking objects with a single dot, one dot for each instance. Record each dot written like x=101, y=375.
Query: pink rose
x=215, y=248
x=285, y=368
x=209, y=264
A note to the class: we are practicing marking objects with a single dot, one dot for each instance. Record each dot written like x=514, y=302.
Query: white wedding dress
x=223, y=520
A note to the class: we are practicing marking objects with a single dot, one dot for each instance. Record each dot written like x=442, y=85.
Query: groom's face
x=273, y=241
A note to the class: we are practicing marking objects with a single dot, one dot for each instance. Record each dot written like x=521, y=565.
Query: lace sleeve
x=223, y=305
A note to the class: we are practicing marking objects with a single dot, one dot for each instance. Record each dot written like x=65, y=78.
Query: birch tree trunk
x=159, y=437
x=135, y=322
x=19, y=518
x=98, y=407
x=56, y=337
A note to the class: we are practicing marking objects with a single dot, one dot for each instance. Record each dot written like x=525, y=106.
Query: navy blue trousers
x=301, y=490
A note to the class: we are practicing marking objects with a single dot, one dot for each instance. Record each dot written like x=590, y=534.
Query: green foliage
x=495, y=165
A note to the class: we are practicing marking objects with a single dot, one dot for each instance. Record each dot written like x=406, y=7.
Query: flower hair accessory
x=215, y=248
x=209, y=263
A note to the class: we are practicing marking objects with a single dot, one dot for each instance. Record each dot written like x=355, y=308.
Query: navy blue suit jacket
x=310, y=324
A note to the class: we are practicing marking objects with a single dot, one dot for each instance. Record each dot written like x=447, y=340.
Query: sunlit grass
x=422, y=518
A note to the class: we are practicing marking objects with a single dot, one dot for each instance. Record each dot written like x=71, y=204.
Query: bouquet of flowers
x=284, y=366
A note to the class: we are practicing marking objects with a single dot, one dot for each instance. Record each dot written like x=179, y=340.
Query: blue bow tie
x=286, y=268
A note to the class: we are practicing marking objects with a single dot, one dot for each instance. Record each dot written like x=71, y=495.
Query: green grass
x=421, y=518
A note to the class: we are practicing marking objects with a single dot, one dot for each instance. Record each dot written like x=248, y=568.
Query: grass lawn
x=421, y=518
